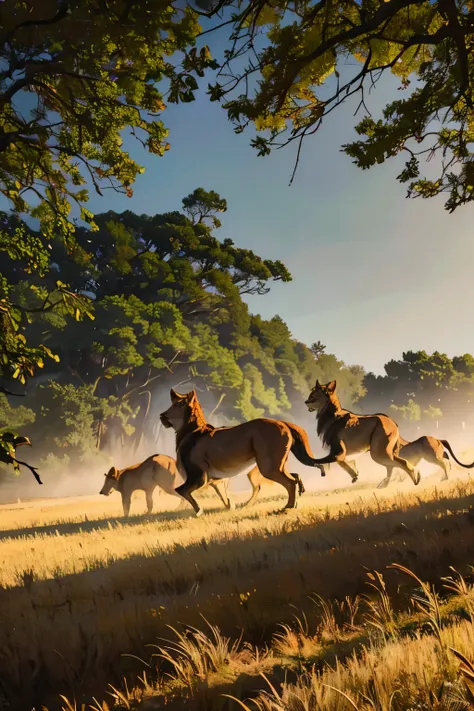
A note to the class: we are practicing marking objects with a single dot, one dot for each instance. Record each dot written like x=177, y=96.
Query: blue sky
x=374, y=274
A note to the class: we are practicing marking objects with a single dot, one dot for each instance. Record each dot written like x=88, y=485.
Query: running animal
x=158, y=470
x=433, y=450
x=209, y=454
x=348, y=435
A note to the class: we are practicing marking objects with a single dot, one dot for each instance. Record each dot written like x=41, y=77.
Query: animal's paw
x=417, y=478
x=355, y=478
x=199, y=513
x=383, y=483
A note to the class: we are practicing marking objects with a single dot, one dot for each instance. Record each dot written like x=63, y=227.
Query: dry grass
x=81, y=587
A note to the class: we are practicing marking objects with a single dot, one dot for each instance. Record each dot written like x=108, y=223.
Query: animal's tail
x=300, y=447
x=447, y=446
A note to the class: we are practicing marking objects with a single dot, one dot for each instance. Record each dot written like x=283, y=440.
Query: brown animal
x=158, y=470
x=207, y=453
x=430, y=449
x=433, y=450
x=348, y=435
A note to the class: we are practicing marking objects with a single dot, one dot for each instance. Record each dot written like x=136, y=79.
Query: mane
x=194, y=427
x=328, y=419
x=195, y=423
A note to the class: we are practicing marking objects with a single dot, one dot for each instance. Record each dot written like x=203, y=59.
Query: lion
x=158, y=470
x=206, y=453
x=348, y=435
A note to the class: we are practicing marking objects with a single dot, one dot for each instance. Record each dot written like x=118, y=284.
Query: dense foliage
x=168, y=306
x=426, y=394
x=113, y=310
x=287, y=68
x=73, y=76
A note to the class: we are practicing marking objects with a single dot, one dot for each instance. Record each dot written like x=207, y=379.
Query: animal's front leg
x=149, y=501
x=126, y=500
x=190, y=485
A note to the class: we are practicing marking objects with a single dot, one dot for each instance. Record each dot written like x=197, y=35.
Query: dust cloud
x=75, y=479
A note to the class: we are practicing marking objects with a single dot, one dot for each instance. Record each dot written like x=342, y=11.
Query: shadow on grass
x=79, y=624
x=66, y=528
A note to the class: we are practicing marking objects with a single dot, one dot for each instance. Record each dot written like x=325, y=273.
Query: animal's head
x=320, y=395
x=181, y=409
x=111, y=482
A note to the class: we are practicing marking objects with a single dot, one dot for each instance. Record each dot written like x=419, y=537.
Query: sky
x=374, y=274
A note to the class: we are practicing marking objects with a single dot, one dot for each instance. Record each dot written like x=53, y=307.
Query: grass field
x=84, y=593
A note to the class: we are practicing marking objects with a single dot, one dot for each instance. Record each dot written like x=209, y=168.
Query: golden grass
x=81, y=586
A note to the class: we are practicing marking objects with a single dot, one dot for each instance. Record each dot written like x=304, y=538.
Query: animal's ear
x=112, y=473
x=317, y=386
x=331, y=386
x=174, y=395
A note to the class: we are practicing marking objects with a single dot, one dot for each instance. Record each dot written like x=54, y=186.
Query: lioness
x=433, y=450
x=158, y=470
x=430, y=449
x=348, y=435
x=207, y=453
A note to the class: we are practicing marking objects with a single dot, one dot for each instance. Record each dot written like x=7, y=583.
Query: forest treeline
x=167, y=308
x=99, y=315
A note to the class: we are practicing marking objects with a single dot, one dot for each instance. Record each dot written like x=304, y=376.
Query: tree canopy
x=286, y=69
x=74, y=75
x=141, y=296
x=166, y=299
x=423, y=392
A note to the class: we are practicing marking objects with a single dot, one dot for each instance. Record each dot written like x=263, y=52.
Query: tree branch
x=8, y=392
x=60, y=15
x=33, y=470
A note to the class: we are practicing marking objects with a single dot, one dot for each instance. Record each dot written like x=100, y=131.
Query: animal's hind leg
x=288, y=482
x=271, y=461
x=408, y=468
x=399, y=476
x=351, y=469
x=220, y=487
x=292, y=487
x=300, y=484
x=385, y=482
x=384, y=450
x=149, y=500
x=255, y=479
x=439, y=458
x=445, y=465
